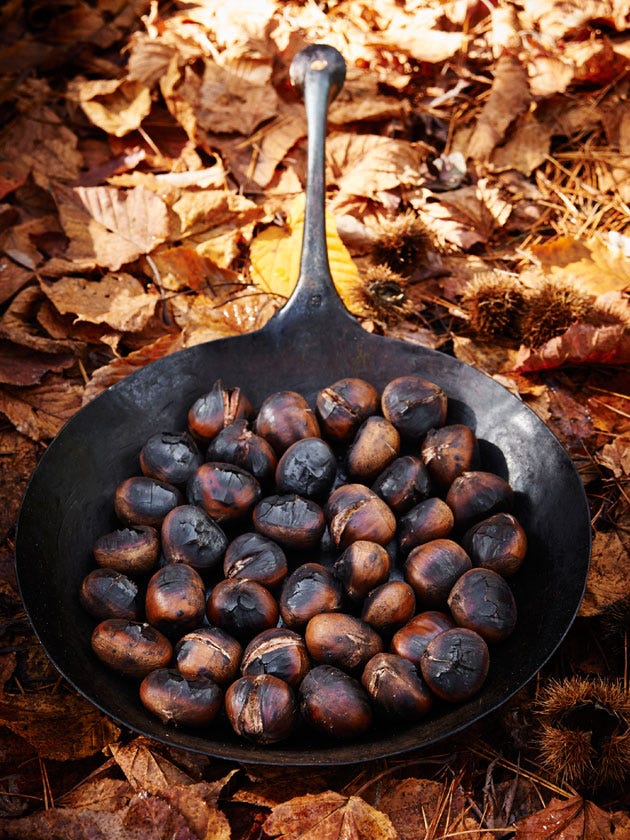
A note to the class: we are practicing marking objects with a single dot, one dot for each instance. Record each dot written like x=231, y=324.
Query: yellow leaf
x=275, y=260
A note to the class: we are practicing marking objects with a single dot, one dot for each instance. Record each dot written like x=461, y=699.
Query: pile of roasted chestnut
x=307, y=568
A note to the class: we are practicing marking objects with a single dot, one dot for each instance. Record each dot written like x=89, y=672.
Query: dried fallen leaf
x=13, y=277
x=615, y=456
x=118, y=106
x=580, y=344
x=100, y=794
x=572, y=819
x=607, y=580
x=593, y=265
x=21, y=366
x=19, y=324
x=19, y=457
x=40, y=412
x=146, y=769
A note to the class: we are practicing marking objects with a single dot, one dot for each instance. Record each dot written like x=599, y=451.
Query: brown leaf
x=607, y=580
x=328, y=816
x=197, y=803
x=118, y=106
x=580, y=344
x=110, y=227
x=571, y=819
x=99, y=795
x=146, y=769
x=19, y=324
x=615, y=456
x=40, y=412
x=21, y=366
x=13, y=173
x=527, y=146
x=13, y=277
x=488, y=356
x=594, y=265
x=367, y=164
x=63, y=727
x=19, y=458
x=414, y=805
x=573, y=422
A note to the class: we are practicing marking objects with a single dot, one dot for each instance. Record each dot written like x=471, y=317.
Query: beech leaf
x=572, y=819
x=118, y=106
x=580, y=344
x=146, y=769
x=607, y=580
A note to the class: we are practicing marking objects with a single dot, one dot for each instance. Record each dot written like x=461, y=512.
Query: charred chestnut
x=343, y=406
x=411, y=640
x=431, y=519
x=432, y=568
x=277, y=651
x=481, y=600
x=307, y=591
x=175, y=599
x=175, y=699
x=476, y=495
x=455, y=664
x=292, y=521
x=106, y=593
x=450, y=451
x=334, y=703
x=414, y=405
x=389, y=606
x=376, y=445
x=403, y=484
x=396, y=687
x=498, y=543
x=131, y=551
x=226, y=492
x=261, y=708
x=341, y=640
x=130, y=647
x=256, y=557
x=145, y=501
x=362, y=567
x=237, y=444
x=285, y=417
x=208, y=652
x=242, y=607
x=354, y=512
x=170, y=456
x=308, y=468
x=218, y=408
x=190, y=536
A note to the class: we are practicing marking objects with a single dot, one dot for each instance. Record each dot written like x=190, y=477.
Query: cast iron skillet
x=310, y=343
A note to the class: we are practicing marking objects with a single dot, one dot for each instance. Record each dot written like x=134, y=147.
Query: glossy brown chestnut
x=448, y=452
x=190, y=535
x=476, y=495
x=343, y=406
x=308, y=468
x=375, y=446
x=482, y=600
x=354, y=512
x=363, y=566
x=455, y=664
x=308, y=590
x=175, y=699
x=131, y=647
x=498, y=543
x=292, y=521
x=175, y=598
x=432, y=569
x=341, y=640
x=140, y=500
x=261, y=708
x=277, y=651
x=431, y=519
x=411, y=640
x=334, y=703
x=403, y=484
x=396, y=687
x=237, y=444
x=242, y=607
x=131, y=551
x=208, y=652
x=170, y=456
x=218, y=408
x=414, y=405
x=285, y=417
x=226, y=492
x=256, y=557
x=389, y=606
x=106, y=593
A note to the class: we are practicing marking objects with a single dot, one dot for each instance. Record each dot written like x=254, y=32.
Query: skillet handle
x=317, y=73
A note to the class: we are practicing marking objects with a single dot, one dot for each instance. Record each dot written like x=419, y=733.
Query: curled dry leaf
x=572, y=819
x=118, y=106
x=40, y=412
x=594, y=265
x=607, y=581
x=19, y=324
x=13, y=277
x=18, y=462
x=22, y=366
x=580, y=344
x=146, y=769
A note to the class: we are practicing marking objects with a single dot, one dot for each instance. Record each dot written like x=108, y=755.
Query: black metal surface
x=310, y=343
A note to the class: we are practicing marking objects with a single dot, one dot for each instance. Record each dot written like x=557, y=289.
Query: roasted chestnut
x=411, y=640
x=396, y=687
x=170, y=456
x=175, y=600
x=455, y=664
x=106, y=593
x=403, y=484
x=334, y=703
x=354, y=512
x=448, y=452
x=218, y=408
x=237, y=444
x=285, y=417
x=176, y=699
x=190, y=536
x=432, y=568
x=145, y=501
x=343, y=406
x=226, y=492
x=498, y=543
x=256, y=557
x=307, y=591
x=242, y=607
x=414, y=405
x=292, y=521
x=481, y=600
x=376, y=445
x=308, y=468
x=208, y=652
x=476, y=495
x=277, y=651
x=431, y=519
x=362, y=567
x=261, y=708
x=131, y=647
x=131, y=551
x=341, y=640
x=389, y=606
